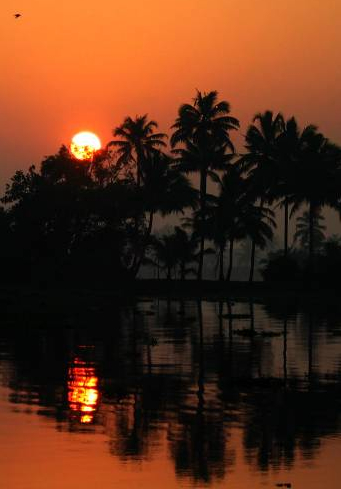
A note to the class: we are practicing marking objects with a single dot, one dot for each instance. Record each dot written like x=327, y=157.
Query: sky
x=70, y=65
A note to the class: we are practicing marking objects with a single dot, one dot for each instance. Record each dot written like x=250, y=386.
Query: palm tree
x=197, y=228
x=185, y=250
x=163, y=248
x=317, y=180
x=138, y=140
x=261, y=162
x=216, y=229
x=303, y=230
x=202, y=130
x=164, y=190
x=288, y=143
x=258, y=222
x=225, y=214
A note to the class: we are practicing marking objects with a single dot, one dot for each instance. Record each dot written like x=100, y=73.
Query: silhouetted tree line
x=94, y=219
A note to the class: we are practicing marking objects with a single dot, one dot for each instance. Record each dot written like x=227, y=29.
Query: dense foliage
x=93, y=221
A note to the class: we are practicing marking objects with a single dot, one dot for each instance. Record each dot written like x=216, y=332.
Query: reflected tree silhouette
x=195, y=386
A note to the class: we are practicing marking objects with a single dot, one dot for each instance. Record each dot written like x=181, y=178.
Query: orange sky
x=68, y=65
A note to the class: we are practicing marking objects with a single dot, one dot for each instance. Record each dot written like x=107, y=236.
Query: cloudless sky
x=69, y=65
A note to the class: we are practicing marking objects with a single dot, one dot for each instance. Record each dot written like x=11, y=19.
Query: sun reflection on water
x=83, y=393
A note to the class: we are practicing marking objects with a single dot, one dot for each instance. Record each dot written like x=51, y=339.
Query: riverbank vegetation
x=94, y=220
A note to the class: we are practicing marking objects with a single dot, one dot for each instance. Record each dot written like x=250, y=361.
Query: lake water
x=169, y=394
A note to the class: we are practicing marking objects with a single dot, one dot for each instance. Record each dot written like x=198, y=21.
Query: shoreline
x=59, y=299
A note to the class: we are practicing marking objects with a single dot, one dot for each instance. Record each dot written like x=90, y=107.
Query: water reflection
x=83, y=393
x=191, y=380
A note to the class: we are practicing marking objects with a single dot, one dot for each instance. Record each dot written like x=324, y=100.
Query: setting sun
x=84, y=144
x=83, y=393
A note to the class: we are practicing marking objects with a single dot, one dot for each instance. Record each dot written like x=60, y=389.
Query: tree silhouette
x=66, y=224
x=317, y=178
x=261, y=162
x=203, y=129
x=302, y=234
x=258, y=227
x=138, y=141
x=186, y=251
x=226, y=214
x=164, y=190
x=288, y=147
x=65, y=212
x=163, y=247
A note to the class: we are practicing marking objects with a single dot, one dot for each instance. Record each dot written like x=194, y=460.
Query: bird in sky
x=17, y=16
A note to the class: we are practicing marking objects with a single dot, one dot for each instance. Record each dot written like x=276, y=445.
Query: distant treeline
x=92, y=221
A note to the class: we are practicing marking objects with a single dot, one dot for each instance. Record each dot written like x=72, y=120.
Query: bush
x=279, y=268
x=326, y=267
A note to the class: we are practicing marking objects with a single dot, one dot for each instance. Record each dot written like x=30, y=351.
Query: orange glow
x=86, y=419
x=84, y=144
x=83, y=394
x=89, y=73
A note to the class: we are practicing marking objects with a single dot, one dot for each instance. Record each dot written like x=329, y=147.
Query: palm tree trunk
x=285, y=349
x=229, y=272
x=252, y=265
x=221, y=262
x=203, y=182
x=138, y=261
x=286, y=226
x=135, y=266
x=229, y=311
x=182, y=271
x=139, y=159
x=253, y=251
x=311, y=237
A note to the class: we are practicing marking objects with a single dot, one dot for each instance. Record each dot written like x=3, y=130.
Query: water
x=170, y=394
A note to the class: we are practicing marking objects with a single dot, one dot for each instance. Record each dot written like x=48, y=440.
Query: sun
x=84, y=144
